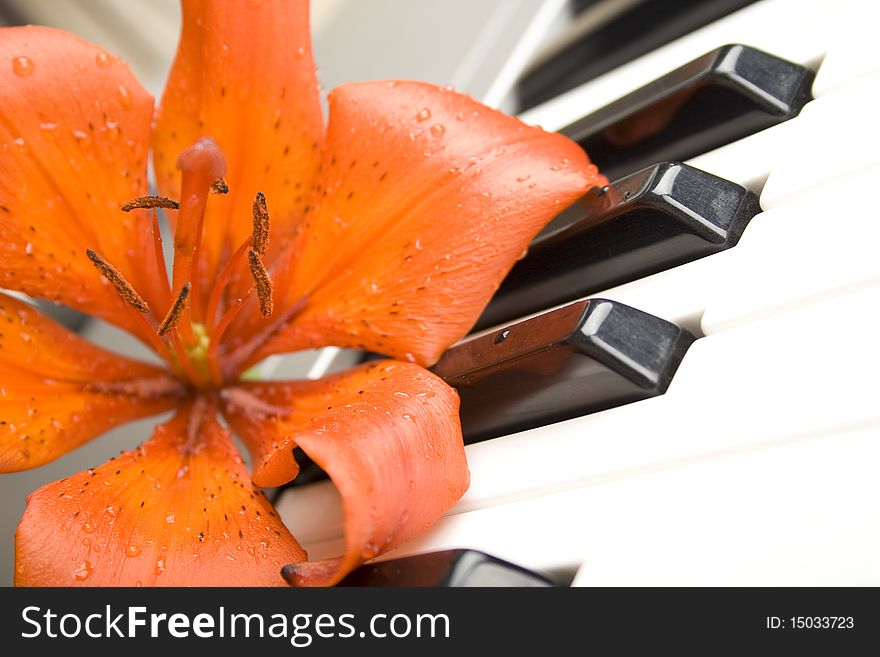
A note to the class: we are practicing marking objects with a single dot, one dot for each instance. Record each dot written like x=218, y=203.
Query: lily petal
x=58, y=391
x=386, y=433
x=244, y=75
x=178, y=511
x=74, y=133
x=425, y=201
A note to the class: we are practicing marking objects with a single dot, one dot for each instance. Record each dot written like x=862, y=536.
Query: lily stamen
x=260, y=233
x=150, y=201
x=219, y=186
x=262, y=283
x=176, y=311
x=123, y=287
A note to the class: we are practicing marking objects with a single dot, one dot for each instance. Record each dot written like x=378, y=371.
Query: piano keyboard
x=757, y=465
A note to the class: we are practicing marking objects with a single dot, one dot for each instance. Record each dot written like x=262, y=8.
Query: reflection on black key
x=584, y=357
x=450, y=568
x=725, y=95
x=658, y=218
x=636, y=29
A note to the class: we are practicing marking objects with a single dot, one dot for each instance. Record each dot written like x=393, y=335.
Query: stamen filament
x=175, y=312
x=150, y=202
x=183, y=359
x=245, y=354
x=148, y=333
x=123, y=287
x=217, y=337
x=262, y=283
x=220, y=286
x=159, y=253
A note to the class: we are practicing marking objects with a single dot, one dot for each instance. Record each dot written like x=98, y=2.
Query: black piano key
x=449, y=568
x=587, y=356
x=639, y=29
x=653, y=220
x=723, y=96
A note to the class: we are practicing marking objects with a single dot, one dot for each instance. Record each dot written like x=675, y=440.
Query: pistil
x=201, y=164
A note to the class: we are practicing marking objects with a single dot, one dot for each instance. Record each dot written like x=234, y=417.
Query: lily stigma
x=386, y=230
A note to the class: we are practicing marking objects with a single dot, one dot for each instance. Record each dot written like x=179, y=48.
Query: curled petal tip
x=289, y=573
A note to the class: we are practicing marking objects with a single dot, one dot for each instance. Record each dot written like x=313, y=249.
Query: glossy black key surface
x=653, y=220
x=584, y=357
x=449, y=568
x=624, y=35
x=723, y=96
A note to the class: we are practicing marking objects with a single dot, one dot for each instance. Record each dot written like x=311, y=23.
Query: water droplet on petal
x=522, y=178
x=102, y=59
x=88, y=528
x=48, y=126
x=132, y=550
x=124, y=96
x=160, y=566
x=83, y=571
x=169, y=518
x=438, y=130
x=18, y=141
x=22, y=66
x=423, y=115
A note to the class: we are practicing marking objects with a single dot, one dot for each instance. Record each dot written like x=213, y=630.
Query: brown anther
x=176, y=311
x=260, y=234
x=262, y=283
x=123, y=287
x=150, y=202
x=219, y=186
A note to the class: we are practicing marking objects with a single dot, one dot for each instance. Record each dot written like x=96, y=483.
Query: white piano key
x=801, y=514
x=769, y=383
x=833, y=136
x=853, y=52
x=795, y=30
x=745, y=161
x=814, y=247
x=793, y=514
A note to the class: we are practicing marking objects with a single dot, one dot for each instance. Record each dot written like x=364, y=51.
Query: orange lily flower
x=387, y=230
